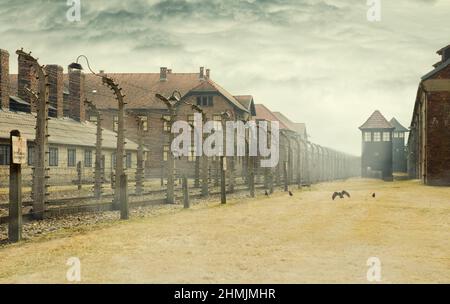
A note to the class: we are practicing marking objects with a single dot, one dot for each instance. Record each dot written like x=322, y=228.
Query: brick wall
x=4, y=79
x=438, y=138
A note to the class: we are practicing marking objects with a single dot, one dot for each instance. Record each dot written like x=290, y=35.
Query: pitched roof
x=299, y=128
x=443, y=49
x=64, y=131
x=263, y=113
x=438, y=68
x=208, y=85
x=140, y=89
x=376, y=121
x=398, y=126
x=247, y=102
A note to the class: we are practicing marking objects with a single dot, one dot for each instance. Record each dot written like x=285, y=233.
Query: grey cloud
x=308, y=58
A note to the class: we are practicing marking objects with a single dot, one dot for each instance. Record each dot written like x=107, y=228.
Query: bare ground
x=281, y=239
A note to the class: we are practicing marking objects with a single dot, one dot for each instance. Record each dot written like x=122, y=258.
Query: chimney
x=76, y=95
x=56, y=89
x=26, y=78
x=202, y=73
x=446, y=54
x=4, y=79
x=208, y=73
x=169, y=71
x=163, y=74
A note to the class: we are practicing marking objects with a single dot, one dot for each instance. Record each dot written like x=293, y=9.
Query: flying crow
x=340, y=194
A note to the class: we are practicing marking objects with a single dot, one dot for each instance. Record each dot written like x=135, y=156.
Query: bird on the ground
x=290, y=193
x=373, y=195
x=340, y=194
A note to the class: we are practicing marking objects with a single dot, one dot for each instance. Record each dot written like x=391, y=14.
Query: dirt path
x=282, y=239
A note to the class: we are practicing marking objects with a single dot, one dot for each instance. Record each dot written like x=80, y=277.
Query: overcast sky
x=318, y=61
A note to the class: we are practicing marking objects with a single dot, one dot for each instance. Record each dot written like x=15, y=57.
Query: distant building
x=398, y=146
x=429, y=138
x=376, y=157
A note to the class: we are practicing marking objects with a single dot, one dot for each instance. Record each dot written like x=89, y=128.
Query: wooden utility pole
x=98, y=170
x=40, y=170
x=15, y=187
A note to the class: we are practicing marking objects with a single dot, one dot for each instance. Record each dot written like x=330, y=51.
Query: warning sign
x=19, y=150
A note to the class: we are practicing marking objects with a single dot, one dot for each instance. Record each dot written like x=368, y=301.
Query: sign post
x=18, y=156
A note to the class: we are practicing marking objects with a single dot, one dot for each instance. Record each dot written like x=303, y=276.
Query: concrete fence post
x=186, y=203
x=15, y=195
x=124, y=211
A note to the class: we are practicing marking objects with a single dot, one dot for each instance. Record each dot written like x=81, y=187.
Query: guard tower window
x=386, y=136
x=401, y=135
x=396, y=134
x=376, y=136
x=367, y=136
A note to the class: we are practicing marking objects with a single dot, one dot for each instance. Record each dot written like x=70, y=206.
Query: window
x=367, y=136
x=53, y=157
x=115, y=123
x=128, y=159
x=386, y=136
x=166, y=119
x=205, y=101
x=144, y=120
x=376, y=136
x=4, y=155
x=30, y=155
x=401, y=135
x=71, y=157
x=113, y=160
x=166, y=152
x=88, y=158
x=93, y=118
x=396, y=134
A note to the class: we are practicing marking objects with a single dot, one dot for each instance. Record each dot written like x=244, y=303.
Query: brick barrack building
x=429, y=139
x=67, y=110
